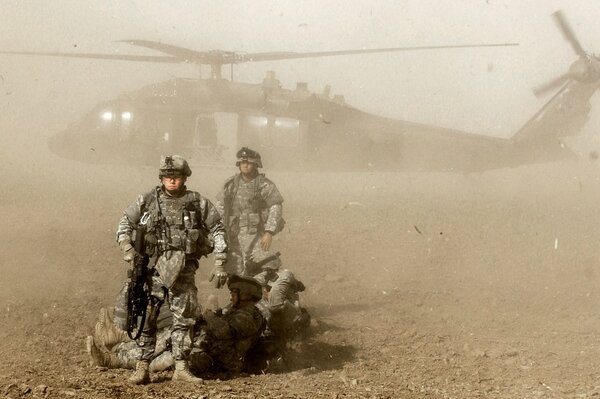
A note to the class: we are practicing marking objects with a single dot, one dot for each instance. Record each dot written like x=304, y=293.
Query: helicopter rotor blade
x=551, y=85
x=282, y=55
x=215, y=58
x=182, y=53
x=120, y=57
x=569, y=35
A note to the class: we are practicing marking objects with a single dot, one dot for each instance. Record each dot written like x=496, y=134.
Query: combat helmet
x=246, y=154
x=246, y=285
x=173, y=165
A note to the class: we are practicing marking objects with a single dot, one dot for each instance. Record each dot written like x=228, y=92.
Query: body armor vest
x=175, y=223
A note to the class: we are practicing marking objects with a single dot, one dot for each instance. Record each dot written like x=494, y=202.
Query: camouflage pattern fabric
x=129, y=352
x=183, y=217
x=251, y=207
x=222, y=340
x=226, y=339
x=285, y=316
x=182, y=301
x=176, y=240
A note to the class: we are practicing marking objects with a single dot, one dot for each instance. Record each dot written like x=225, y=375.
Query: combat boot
x=182, y=373
x=141, y=375
x=106, y=333
x=99, y=356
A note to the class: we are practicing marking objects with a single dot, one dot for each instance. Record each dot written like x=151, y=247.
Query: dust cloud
x=488, y=280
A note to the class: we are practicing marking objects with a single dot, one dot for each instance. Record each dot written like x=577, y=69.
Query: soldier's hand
x=218, y=274
x=207, y=313
x=299, y=286
x=128, y=250
x=265, y=240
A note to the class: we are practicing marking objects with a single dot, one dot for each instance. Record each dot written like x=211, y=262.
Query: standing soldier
x=250, y=205
x=179, y=224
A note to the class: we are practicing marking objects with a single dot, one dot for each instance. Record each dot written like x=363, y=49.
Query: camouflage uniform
x=220, y=341
x=224, y=340
x=285, y=318
x=128, y=352
x=249, y=208
x=174, y=241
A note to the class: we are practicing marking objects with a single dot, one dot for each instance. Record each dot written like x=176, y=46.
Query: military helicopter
x=206, y=120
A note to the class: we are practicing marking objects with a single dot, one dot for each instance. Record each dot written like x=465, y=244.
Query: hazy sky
x=478, y=90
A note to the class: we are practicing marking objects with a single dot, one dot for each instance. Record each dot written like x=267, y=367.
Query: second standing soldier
x=251, y=208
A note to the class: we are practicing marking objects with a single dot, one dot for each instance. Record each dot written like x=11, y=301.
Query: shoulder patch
x=267, y=180
x=147, y=198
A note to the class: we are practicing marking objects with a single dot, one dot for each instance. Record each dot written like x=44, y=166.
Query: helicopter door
x=227, y=130
x=205, y=131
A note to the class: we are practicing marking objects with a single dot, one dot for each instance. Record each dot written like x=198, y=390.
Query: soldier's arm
x=273, y=201
x=220, y=207
x=218, y=326
x=245, y=322
x=131, y=217
x=220, y=202
x=273, y=217
x=212, y=219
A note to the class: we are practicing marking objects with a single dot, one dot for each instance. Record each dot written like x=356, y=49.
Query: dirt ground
x=421, y=285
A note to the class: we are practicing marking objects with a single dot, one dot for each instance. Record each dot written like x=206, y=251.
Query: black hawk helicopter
x=206, y=120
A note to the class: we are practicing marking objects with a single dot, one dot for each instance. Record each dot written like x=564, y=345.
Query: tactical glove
x=218, y=274
x=128, y=250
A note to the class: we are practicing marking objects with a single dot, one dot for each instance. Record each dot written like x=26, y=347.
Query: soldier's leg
x=105, y=332
x=99, y=355
x=183, y=300
x=147, y=341
x=248, y=243
x=127, y=353
x=162, y=362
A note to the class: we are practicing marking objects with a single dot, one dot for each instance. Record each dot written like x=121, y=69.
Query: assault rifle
x=138, y=291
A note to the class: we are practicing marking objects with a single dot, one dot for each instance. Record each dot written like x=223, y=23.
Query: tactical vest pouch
x=176, y=243
x=243, y=220
x=253, y=220
x=257, y=204
x=250, y=221
x=174, y=220
x=150, y=242
x=191, y=241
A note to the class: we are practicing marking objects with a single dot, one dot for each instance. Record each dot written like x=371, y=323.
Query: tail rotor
x=585, y=69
